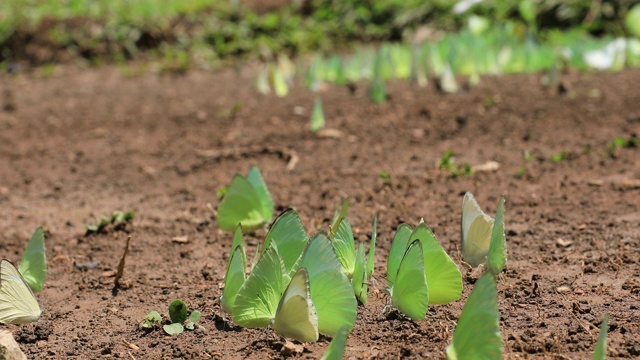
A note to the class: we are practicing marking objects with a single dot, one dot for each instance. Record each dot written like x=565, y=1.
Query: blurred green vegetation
x=206, y=31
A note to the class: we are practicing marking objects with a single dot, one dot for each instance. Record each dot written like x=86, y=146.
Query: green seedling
x=520, y=172
x=151, y=320
x=317, y=115
x=448, y=163
x=477, y=334
x=33, y=265
x=557, y=158
x=621, y=143
x=116, y=219
x=178, y=316
x=386, y=178
x=527, y=156
x=377, y=91
x=247, y=202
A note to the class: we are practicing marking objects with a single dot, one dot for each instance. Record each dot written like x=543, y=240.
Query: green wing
x=33, y=265
x=344, y=244
x=410, y=293
x=257, y=300
x=477, y=335
x=601, y=345
x=337, y=218
x=359, y=280
x=240, y=205
x=288, y=233
x=372, y=248
x=399, y=246
x=238, y=241
x=335, y=351
x=266, y=202
x=233, y=279
x=331, y=291
x=296, y=316
x=497, y=257
x=443, y=276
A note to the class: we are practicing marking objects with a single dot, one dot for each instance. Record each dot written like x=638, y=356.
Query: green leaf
x=33, y=265
x=359, y=280
x=178, y=311
x=195, y=316
x=632, y=21
x=372, y=248
x=344, y=244
x=173, y=329
x=153, y=316
x=335, y=351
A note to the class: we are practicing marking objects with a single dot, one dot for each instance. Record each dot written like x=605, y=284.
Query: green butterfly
x=287, y=233
x=268, y=298
x=317, y=115
x=342, y=239
x=477, y=334
x=246, y=202
x=497, y=256
x=331, y=291
x=601, y=345
x=442, y=274
x=363, y=269
x=236, y=272
x=406, y=280
x=33, y=265
x=335, y=351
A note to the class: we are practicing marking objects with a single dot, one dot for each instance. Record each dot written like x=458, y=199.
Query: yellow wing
x=18, y=305
x=296, y=316
x=476, y=231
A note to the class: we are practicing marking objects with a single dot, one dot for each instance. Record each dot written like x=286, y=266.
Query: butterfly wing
x=240, y=205
x=257, y=299
x=296, y=316
x=410, y=293
x=399, y=246
x=18, y=305
x=33, y=265
x=443, y=276
x=335, y=351
x=345, y=247
x=290, y=237
x=476, y=231
x=264, y=196
x=601, y=345
x=477, y=335
x=359, y=280
x=331, y=291
x=497, y=256
x=233, y=279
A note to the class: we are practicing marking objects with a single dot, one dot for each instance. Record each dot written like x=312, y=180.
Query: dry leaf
x=563, y=243
x=116, y=280
x=488, y=166
x=329, y=133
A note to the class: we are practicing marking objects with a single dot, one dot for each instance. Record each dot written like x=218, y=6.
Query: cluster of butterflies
x=303, y=287
x=18, y=304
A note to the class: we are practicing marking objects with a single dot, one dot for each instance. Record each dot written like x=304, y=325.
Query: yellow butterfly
x=18, y=305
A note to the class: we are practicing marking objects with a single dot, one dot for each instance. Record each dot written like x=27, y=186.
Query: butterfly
x=236, y=272
x=407, y=282
x=477, y=334
x=476, y=231
x=267, y=298
x=18, y=305
x=246, y=202
x=33, y=265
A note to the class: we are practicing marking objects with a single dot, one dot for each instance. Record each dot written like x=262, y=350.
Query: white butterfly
x=18, y=305
x=476, y=231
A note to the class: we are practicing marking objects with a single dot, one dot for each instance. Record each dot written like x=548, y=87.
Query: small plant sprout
x=151, y=320
x=621, y=143
x=117, y=219
x=247, y=202
x=178, y=316
x=447, y=83
x=317, y=115
x=448, y=163
x=386, y=178
x=559, y=157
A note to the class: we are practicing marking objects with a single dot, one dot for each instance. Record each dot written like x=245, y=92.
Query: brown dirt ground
x=85, y=142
